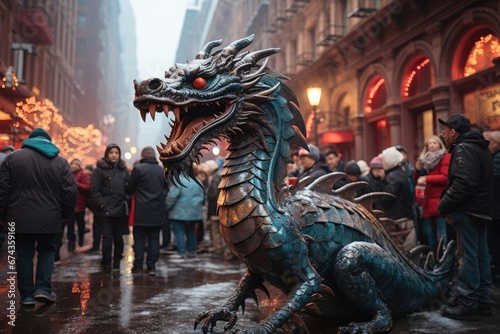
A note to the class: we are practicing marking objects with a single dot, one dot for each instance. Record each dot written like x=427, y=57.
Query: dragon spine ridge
x=307, y=241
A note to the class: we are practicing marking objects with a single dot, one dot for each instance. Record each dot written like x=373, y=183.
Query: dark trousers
x=474, y=275
x=79, y=218
x=112, y=235
x=152, y=233
x=25, y=251
x=494, y=243
x=166, y=234
x=97, y=227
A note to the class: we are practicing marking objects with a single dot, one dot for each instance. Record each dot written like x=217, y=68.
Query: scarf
x=431, y=159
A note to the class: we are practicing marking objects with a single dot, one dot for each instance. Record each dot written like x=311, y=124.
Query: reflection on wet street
x=92, y=302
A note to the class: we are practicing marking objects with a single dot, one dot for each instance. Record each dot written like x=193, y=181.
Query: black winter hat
x=352, y=168
x=457, y=122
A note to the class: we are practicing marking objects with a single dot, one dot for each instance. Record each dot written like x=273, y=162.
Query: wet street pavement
x=92, y=302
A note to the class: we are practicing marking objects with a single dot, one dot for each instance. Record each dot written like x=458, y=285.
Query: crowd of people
x=452, y=193
x=448, y=194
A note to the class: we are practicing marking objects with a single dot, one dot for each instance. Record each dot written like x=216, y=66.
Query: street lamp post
x=314, y=96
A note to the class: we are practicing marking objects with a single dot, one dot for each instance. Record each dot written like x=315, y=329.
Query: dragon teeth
x=143, y=114
x=152, y=111
x=165, y=109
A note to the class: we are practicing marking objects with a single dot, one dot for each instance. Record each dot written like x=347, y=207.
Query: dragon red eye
x=199, y=83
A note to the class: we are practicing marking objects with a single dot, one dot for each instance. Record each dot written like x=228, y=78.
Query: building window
x=485, y=49
x=419, y=77
x=377, y=95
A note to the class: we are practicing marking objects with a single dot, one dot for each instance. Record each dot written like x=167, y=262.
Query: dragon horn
x=253, y=57
x=203, y=54
x=236, y=46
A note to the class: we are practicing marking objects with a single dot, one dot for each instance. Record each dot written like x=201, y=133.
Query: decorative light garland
x=372, y=93
x=486, y=49
x=412, y=75
x=73, y=141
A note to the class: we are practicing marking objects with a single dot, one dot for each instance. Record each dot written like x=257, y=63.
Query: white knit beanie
x=391, y=158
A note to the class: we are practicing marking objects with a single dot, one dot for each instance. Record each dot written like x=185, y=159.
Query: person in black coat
x=148, y=183
x=467, y=204
x=494, y=226
x=400, y=207
x=107, y=188
x=310, y=161
x=37, y=191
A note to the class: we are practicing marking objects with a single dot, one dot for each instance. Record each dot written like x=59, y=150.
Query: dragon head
x=214, y=96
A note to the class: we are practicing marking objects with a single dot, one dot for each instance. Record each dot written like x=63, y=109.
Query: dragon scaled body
x=328, y=252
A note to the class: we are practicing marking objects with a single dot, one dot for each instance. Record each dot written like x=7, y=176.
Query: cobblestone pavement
x=92, y=302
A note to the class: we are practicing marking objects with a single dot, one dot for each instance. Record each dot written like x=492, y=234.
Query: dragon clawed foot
x=210, y=318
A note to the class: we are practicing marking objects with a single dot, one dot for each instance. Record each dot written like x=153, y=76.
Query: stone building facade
x=388, y=69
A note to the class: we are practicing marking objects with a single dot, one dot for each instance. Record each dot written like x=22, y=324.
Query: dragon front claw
x=210, y=318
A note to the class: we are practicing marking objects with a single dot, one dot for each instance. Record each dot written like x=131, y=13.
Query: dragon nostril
x=154, y=84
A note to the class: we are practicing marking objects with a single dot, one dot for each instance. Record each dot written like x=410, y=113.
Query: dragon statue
x=327, y=251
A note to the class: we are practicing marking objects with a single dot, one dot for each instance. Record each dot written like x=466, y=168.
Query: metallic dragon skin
x=328, y=252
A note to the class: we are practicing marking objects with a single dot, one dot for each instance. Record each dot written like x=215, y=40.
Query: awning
x=337, y=137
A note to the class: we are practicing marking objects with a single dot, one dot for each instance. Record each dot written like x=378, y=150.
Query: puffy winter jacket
x=400, y=206
x=37, y=189
x=185, y=202
x=107, y=188
x=470, y=178
x=436, y=182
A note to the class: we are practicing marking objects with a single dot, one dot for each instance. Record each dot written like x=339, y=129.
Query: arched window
x=485, y=49
x=419, y=77
x=377, y=95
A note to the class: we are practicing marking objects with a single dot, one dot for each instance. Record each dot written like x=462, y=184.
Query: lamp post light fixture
x=314, y=96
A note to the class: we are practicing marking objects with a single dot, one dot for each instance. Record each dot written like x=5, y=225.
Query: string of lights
x=73, y=141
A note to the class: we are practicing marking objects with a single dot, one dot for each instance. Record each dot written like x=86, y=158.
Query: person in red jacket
x=82, y=180
x=432, y=174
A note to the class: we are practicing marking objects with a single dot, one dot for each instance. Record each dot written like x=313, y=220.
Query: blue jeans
x=25, y=251
x=433, y=229
x=152, y=233
x=184, y=236
x=474, y=275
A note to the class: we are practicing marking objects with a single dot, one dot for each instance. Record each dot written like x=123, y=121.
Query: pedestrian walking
x=467, y=203
x=147, y=183
x=90, y=214
x=5, y=151
x=107, y=188
x=37, y=191
x=185, y=210
x=82, y=181
x=218, y=244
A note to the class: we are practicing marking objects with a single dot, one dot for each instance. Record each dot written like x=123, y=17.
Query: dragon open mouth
x=188, y=122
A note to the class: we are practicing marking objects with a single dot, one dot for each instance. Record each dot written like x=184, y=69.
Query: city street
x=92, y=302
